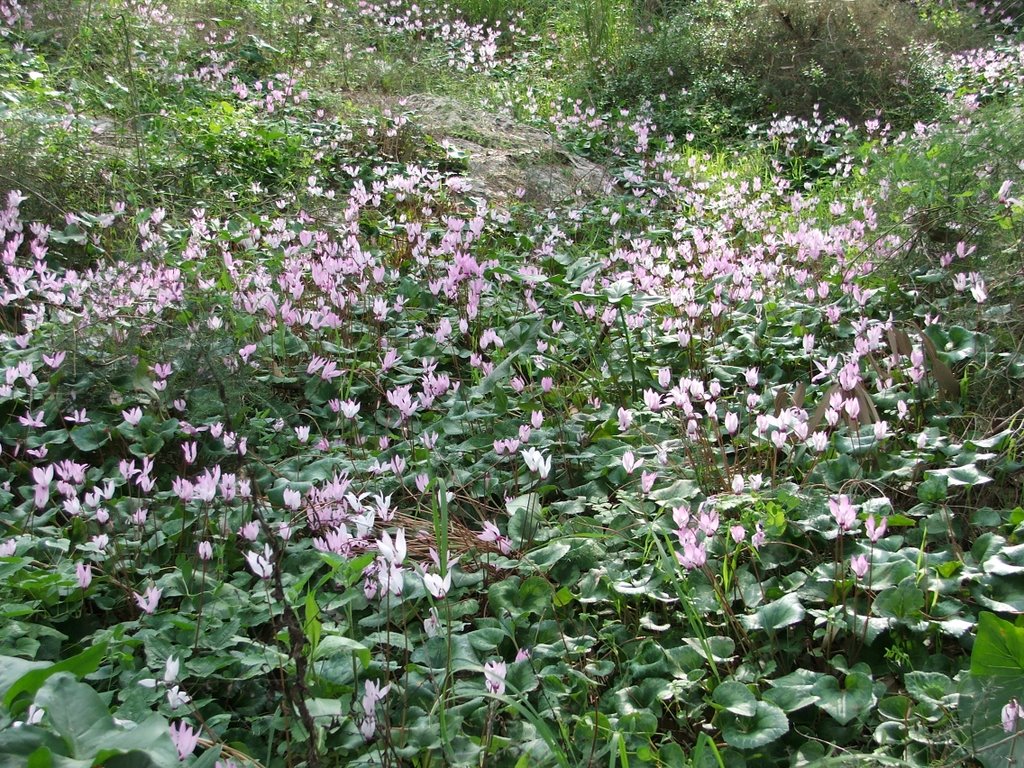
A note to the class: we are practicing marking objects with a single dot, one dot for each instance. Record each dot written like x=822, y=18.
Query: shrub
x=961, y=224
x=593, y=33
x=714, y=66
x=682, y=70
x=852, y=58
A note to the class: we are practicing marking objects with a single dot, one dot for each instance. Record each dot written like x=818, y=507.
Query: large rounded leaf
x=766, y=725
x=999, y=649
x=849, y=702
x=784, y=612
x=736, y=698
x=794, y=691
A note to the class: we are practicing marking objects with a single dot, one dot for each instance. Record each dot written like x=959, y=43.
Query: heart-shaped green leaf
x=848, y=702
x=736, y=698
x=999, y=649
x=767, y=724
x=784, y=612
x=903, y=602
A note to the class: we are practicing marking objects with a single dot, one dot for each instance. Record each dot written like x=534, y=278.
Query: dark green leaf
x=76, y=712
x=784, y=612
x=903, y=602
x=736, y=698
x=767, y=724
x=851, y=701
x=89, y=437
x=86, y=662
x=933, y=489
x=998, y=649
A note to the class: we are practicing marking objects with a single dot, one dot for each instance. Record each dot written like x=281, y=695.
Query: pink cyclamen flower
x=708, y=520
x=368, y=727
x=630, y=462
x=625, y=419
x=171, y=669
x=732, y=422
x=492, y=535
x=185, y=739
x=205, y=550
x=176, y=697
x=28, y=420
x=693, y=556
x=843, y=511
x=373, y=694
x=875, y=530
x=859, y=565
x=494, y=677
x=149, y=601
x=432, y=624
x=34, y=716
x=78, y=417
x=83, y=571
x=132, y=416
x=54, y=361
x=1011, y=715
x=437, y=586
x=818, y=441
x=852, y=408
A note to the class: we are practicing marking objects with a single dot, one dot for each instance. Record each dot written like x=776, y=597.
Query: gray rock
x=504, y=156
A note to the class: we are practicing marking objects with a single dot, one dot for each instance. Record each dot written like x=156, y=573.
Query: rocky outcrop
x=504, y=156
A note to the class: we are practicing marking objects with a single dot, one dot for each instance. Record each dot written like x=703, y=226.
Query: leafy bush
x=714, y=67
x=960, y=218
x=853, y=59
x=682, y=71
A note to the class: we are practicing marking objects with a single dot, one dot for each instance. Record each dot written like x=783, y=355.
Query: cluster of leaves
x=310, y=456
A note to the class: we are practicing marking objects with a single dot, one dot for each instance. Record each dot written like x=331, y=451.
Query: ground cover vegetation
x=314, y=451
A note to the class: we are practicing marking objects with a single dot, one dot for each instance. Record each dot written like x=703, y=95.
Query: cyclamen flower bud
x=732, y=423
x=859, y=565
x=83, y=571
x=874, y=530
